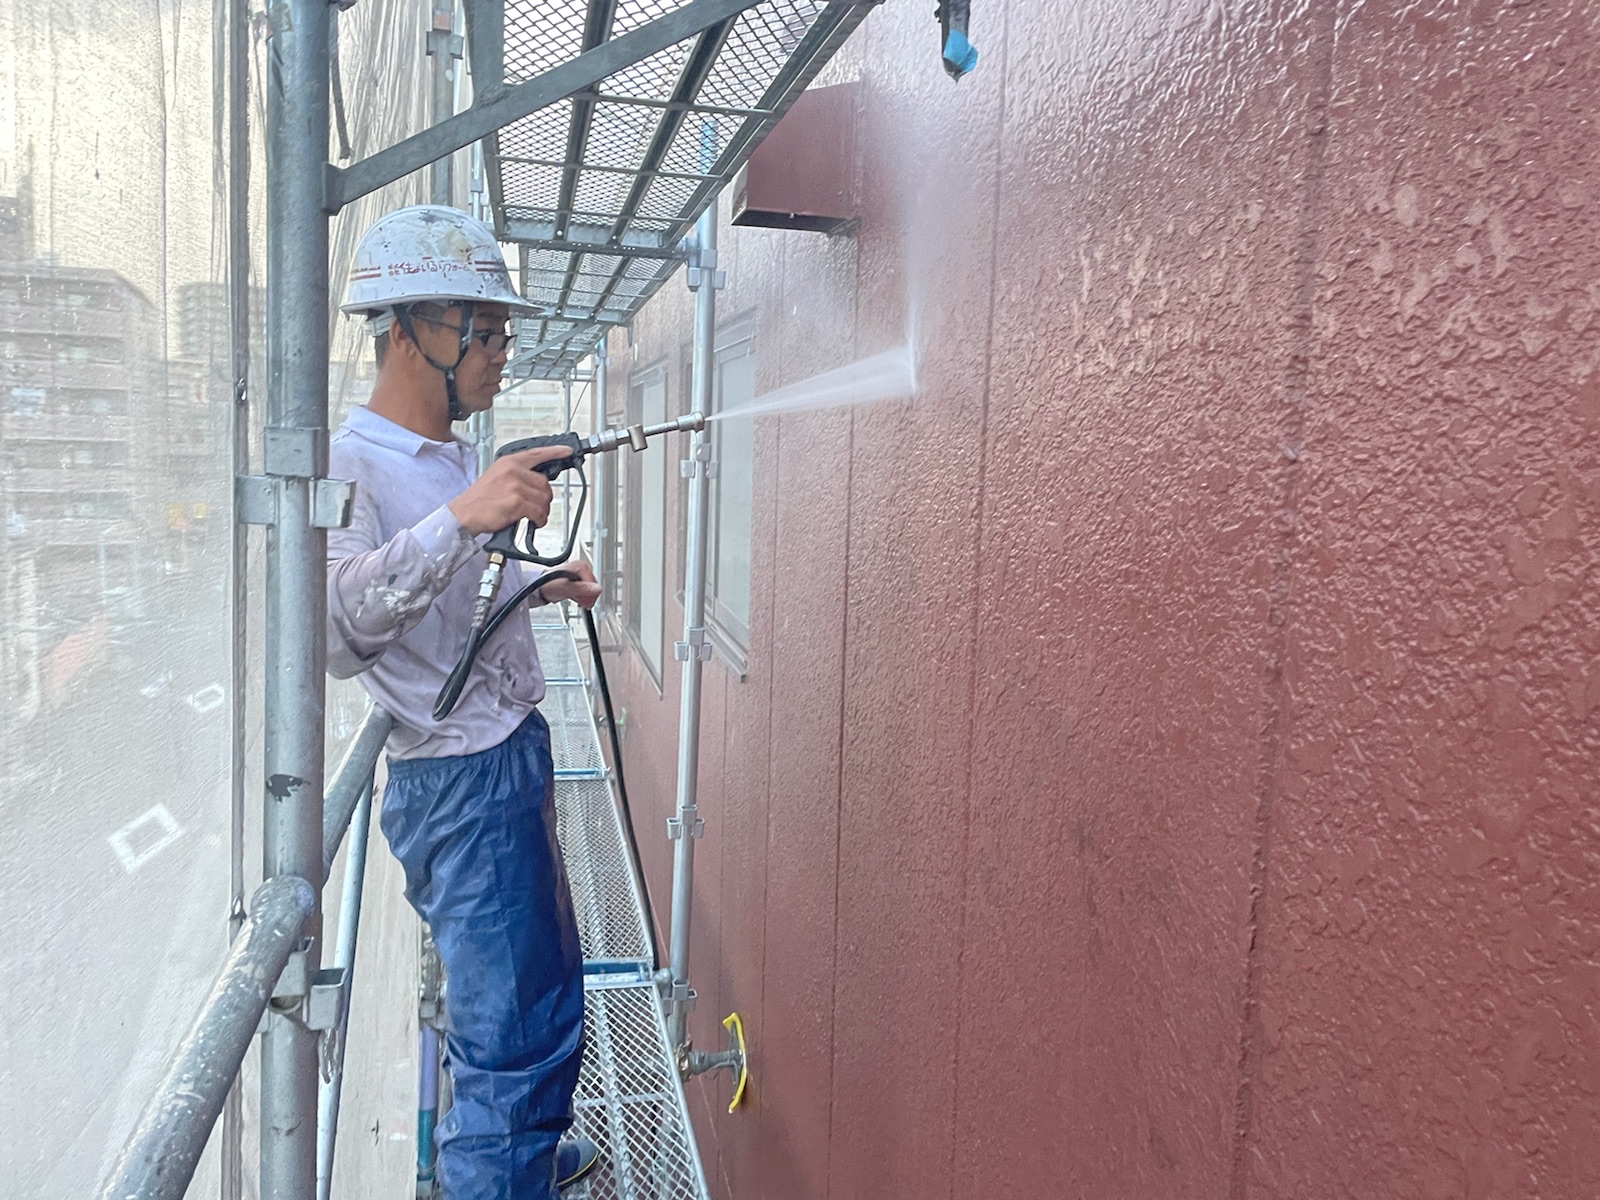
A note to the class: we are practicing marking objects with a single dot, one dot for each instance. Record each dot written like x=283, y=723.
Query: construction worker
x=468, y=807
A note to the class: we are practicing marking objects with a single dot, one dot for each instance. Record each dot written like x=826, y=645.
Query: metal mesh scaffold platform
x=574, y=744
x=605, y=891
x=599, y=188
x=630, y=1099
x=558, y=654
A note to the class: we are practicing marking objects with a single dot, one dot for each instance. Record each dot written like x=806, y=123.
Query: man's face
x=479, y=372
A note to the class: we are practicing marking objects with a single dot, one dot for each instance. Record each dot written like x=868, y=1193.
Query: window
x=54, y=455
x=82, y=402
x=732, y=493
x=644, y=479
x=609, y=534
x=25, y=401
x=95, y=506
x=25, y=347
x=82, y=350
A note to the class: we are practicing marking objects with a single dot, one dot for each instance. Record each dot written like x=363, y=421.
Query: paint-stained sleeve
x=377, y=590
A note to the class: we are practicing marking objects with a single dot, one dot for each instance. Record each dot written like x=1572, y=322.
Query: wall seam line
x=964, y=859
x=766, y=741
x=844, y=649
x=838, y=801
x=1277, y=715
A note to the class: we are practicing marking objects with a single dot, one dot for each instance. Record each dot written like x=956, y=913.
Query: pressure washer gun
x=516, y=541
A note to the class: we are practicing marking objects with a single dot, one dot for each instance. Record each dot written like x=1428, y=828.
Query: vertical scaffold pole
x=236, y=71
x=444, y=47
x=599, y=475
x=686, y=826
x=295, y=453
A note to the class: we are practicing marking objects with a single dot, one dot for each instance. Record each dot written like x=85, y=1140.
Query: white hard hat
x=429, y=253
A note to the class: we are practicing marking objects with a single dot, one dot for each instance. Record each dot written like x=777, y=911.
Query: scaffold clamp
x=255, y=500
x=331, y=502
x=697, y=828
x=701, y=646
x=312, y=999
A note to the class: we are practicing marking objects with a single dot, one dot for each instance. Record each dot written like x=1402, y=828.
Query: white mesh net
x=116, y=682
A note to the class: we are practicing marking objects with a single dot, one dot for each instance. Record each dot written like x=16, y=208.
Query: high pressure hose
x=622, y=784
x=451, y=692
x=480, y=633
x=516, y=541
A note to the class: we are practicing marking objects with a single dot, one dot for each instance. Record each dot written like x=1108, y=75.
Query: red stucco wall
x=1167, y=765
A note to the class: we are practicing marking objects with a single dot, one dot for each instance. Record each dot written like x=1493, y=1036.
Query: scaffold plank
x=630, y=1101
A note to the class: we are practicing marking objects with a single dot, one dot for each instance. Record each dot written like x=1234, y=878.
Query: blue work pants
x=476, y=835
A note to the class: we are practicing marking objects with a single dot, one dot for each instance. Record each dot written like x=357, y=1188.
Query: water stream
x=891, y=375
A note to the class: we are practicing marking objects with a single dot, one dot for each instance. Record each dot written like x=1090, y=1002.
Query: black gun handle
x=555, y=466
x=505, y=540
x=516, y=541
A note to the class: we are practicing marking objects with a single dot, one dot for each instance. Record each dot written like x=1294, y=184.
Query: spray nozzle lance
x=636, y=436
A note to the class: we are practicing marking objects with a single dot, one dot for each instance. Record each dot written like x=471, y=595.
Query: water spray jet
x=891, y=375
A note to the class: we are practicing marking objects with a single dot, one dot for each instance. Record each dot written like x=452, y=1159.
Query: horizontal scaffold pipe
x=496, y=112
x=344, y=793
x=160, y=1157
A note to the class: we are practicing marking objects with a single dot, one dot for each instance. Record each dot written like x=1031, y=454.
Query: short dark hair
x=426, y=309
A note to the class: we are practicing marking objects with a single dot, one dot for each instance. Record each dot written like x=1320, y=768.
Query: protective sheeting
x=114, y=498
x=115, y=534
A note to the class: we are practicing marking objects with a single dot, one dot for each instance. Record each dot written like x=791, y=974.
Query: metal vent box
x=802, y=176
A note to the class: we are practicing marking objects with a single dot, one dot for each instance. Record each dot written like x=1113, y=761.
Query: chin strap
x=402, y=317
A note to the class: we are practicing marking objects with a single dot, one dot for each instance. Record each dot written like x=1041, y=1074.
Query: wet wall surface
x=1167, y=760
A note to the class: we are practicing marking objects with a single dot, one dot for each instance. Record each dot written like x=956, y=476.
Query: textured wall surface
x=1168, y=755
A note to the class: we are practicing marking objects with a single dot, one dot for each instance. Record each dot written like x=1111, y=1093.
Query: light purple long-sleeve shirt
x=401, y=583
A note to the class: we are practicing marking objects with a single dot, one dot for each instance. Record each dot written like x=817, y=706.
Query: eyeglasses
x=492, y=340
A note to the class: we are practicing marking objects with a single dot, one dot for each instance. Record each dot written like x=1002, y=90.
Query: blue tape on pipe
x=960, y=55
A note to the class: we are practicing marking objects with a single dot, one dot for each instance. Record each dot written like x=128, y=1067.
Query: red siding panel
x=1428, y=1011
x=1167, y=761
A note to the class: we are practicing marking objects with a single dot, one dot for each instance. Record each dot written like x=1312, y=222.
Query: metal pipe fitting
x=637, y=437
x=160, y=1158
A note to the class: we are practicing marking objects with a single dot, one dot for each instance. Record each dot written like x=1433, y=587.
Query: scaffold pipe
x=295, y=457
x=236, y=73
x=344, y=958
x=160, y=1158
x=351, y=782
x=694, y=649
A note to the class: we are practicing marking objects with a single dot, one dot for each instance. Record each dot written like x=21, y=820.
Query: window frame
x=631, y=481
x=729, y=636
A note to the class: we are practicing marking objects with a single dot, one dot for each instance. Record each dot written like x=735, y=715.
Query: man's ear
x=400, y=339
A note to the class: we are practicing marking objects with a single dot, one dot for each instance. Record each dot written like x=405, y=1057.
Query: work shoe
x=575, y=1158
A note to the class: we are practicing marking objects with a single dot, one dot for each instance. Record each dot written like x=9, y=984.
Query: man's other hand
x=507, y=492
x=584, y=591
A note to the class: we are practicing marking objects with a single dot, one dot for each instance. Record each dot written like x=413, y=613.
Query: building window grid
x=636, y=547
x=731, y=499
x=643, y=479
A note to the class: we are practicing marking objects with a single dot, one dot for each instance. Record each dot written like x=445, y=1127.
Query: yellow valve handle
x=735, y=1026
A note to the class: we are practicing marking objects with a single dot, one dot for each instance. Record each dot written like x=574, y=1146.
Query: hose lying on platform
x=622, y=785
